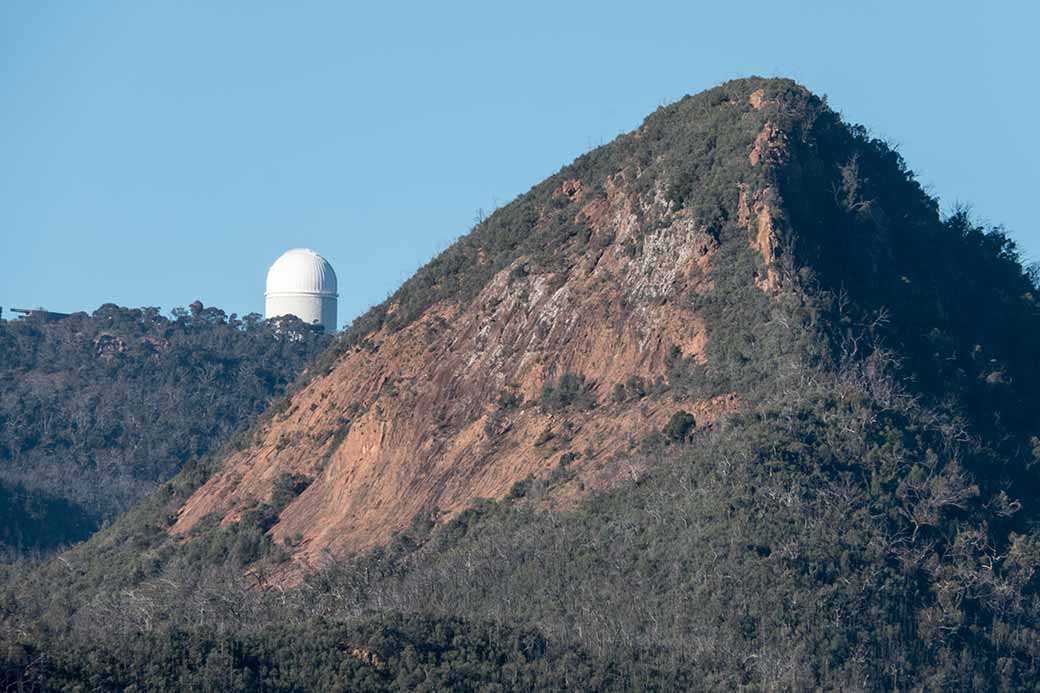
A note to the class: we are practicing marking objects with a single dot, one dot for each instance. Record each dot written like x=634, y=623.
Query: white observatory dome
x=302, y=283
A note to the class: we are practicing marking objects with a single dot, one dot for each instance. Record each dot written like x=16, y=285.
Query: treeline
x=96, y=410
x=400, y=653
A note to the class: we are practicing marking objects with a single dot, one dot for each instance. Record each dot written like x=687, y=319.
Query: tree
x=679, y=426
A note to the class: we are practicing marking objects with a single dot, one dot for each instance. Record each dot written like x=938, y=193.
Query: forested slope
x=97, y=410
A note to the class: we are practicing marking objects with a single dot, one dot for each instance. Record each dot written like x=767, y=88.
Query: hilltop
x=725, y=402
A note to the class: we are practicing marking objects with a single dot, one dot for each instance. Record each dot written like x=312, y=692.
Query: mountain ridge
x=609, y=287
x=805, y=457
x=591, y=278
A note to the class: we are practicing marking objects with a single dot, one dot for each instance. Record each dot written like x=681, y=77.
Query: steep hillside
x=545, y=335
x=723, y=404
x=96, y=411
x=573, y=323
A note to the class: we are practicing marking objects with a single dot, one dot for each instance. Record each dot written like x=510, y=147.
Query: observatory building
x=302, y=283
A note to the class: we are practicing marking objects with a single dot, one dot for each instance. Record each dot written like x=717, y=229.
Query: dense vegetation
x=869, y=521
x=97, y=410
x=411, y=653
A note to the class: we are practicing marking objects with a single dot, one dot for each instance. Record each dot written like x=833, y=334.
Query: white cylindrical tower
x=302, y=283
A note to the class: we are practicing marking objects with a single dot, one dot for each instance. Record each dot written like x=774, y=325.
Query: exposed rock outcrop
x=439, y=405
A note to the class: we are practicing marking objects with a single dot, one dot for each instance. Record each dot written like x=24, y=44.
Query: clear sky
x=152, y=153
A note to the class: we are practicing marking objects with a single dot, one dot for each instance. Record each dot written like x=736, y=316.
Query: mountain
x=544, y=335
x=724, y=403
x=578, y=319
x=97, y=410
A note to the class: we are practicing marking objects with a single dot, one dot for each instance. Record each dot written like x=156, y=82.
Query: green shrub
x=286, y=487
x=679, y=426
x=636, y=387
x=570, y=391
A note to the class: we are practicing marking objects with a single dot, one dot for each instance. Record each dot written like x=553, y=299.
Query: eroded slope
x=543, y=339
x=450, y=408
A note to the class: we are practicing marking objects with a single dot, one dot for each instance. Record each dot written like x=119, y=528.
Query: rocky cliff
x=565, y=330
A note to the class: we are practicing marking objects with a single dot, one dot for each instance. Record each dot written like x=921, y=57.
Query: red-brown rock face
x=412, y=420
x=446, y=409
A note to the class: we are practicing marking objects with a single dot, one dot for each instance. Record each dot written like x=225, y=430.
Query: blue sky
x=158, y=152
